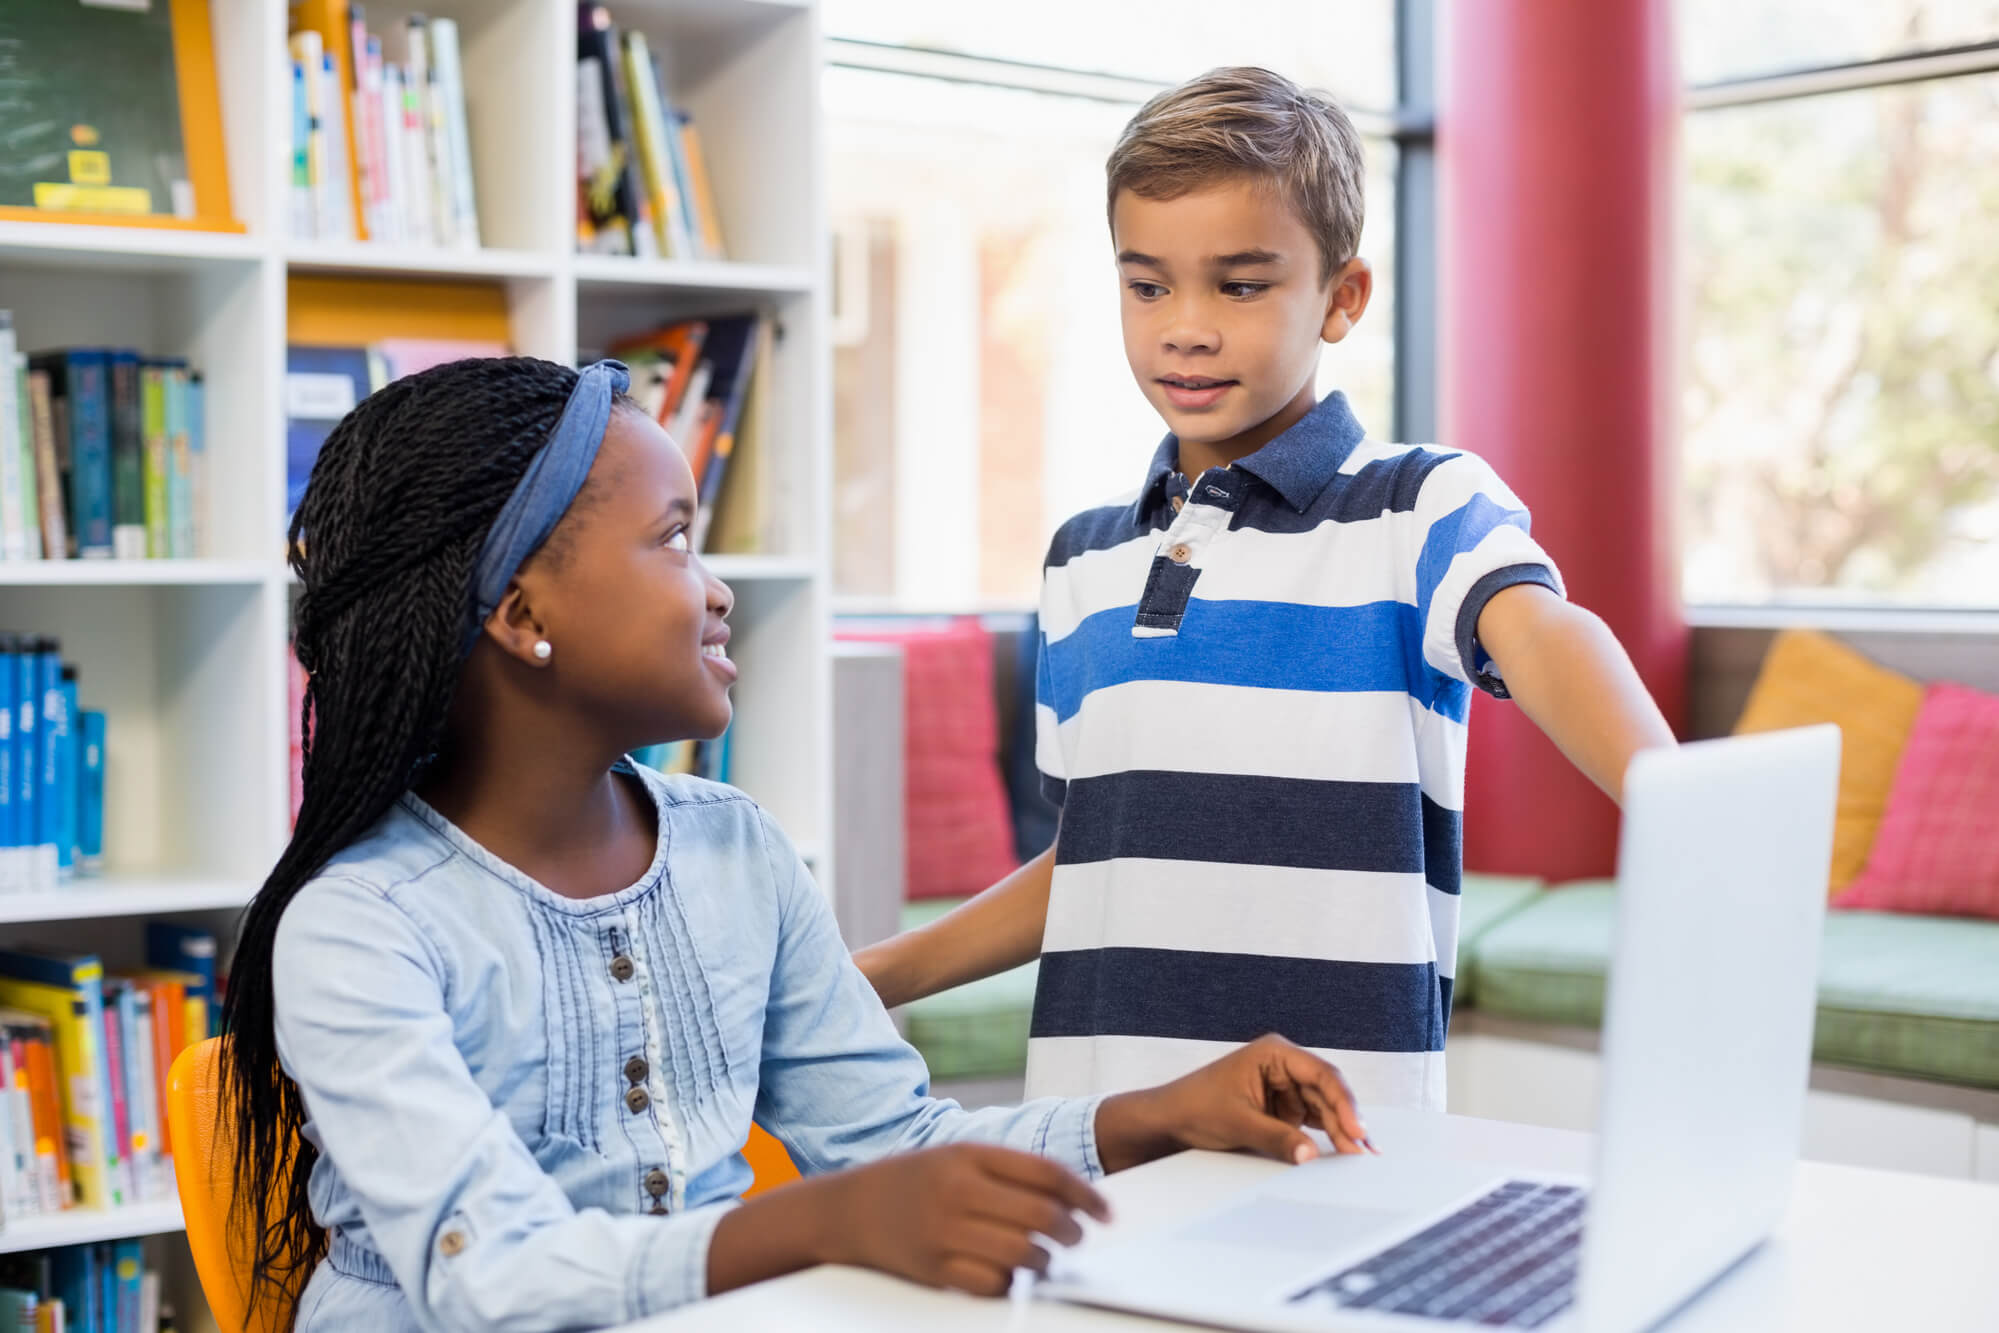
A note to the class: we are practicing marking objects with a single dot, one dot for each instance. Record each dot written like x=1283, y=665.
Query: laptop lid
x=1708, y=1014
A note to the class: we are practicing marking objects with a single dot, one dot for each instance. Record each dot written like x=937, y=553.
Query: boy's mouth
x=1194, y=391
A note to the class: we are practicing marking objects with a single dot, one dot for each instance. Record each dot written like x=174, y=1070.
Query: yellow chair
x=203, y=1161
x=203, y=1153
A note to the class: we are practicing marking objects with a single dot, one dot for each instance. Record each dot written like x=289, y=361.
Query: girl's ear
x=1346, y=299
x=515, y=629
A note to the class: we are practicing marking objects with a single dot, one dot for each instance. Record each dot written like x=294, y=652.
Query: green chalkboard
x=90, y=78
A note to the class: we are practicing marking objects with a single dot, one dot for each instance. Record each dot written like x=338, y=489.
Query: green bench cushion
x=975, y=1031
x=1486, y=901
x=1910, y=995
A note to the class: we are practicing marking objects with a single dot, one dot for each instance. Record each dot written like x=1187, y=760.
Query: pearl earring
x=543, y=650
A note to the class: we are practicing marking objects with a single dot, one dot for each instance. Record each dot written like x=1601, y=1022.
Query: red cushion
x=959, y=832
x=1938, y=848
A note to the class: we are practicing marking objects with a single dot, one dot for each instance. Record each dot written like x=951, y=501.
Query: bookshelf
x=188, y=657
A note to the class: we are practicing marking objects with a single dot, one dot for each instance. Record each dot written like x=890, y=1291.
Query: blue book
x=106, y=1265
x=76, y=1287
x=48, y=804
x=68, y=779
x=177, y=948
x=322, y=385
x=82, y=378
x=129, y=1260
x=128, y=459
x=18, y=1309
x=27, y=777
x=90, y=795
x=10, y=831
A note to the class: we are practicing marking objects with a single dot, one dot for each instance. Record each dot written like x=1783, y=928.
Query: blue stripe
x=1246, y=819
x=1239, y=997
x=1265, y=645
x=1452, y=535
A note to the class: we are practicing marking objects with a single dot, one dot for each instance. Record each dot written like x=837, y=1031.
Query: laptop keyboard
x=1505, y=1260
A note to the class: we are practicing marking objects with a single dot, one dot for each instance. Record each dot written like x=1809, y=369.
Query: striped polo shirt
x=1251, y=707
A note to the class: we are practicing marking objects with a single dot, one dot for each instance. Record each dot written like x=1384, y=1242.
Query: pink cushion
x=958, y=826
x=1938, y=848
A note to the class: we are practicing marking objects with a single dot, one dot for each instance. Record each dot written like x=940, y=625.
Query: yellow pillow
x=1808, y=677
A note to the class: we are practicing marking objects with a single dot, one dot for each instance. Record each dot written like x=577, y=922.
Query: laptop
x=1706, y=1055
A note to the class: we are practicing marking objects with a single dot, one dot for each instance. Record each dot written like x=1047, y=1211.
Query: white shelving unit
x=188, y=657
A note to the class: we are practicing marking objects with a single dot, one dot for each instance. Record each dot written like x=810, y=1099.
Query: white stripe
x=1440, y=754
x=1444, y=909
x=1047, y=743
x=1499, y=548
x=1094, y=581
x=1182, y=726
x=1349, y=916
x=1083, y=1066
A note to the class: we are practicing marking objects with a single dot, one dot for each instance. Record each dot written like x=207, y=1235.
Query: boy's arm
x=1571, y=676
x=999, y=929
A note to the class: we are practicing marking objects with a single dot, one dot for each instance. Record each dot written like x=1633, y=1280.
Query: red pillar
x=1557, y=159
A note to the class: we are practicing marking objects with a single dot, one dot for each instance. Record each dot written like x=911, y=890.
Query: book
x=322, y=385
x=171, y=947
x=654, y=155
x=180, y=465
x=18, y=1196
x=190, y=540
x=48, y=702
x=68, y=991
x=25, y=762
x=78, y=1288
x=13, y=869
x=48, y=475
x=13, y=501
x=708, y=219
x=79, y=380
x=90, y=795
x=128, y=1260
x=24, y=449
x=457, y=165
x=393, y=358
x=170, y=1038
x=733, y=347
x=118, y=1097
x=744, y=516
x=130, y=529
x=304, y=222
x=69, y=774
x=58, y=1183
x=306, y=49
x=619, y=219
x=335, y=192
x=153, y=455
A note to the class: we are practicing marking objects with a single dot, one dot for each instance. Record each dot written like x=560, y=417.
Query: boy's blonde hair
x=1244, y=121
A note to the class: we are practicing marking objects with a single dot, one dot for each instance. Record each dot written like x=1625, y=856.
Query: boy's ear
x=1346, y=299
x=514, y=628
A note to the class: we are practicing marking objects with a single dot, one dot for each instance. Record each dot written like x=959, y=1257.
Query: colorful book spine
x=128, y=1262
x=144, y=1089
x=27, y=754
x=69, y=775
x=24, y=438
x=13, y=509
x=48, y=472
x=51, y=1133
x=130, y=529
x=155, y=444
x=48, y=800
x=87, y=391
x=180, y=465
x=304, y=225
x=18, y=1198
x=457, y=137
x=11, y=859
x=200, y=520
x=171, y=947
x=90, y=796
x=337, y=193
x=119, y=1100
x=69, y=993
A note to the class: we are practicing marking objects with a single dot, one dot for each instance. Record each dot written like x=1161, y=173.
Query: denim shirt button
x=451, y=1243
x=635, y=1069
x=637, y=1101
x=656, y=1182
x=621, y=968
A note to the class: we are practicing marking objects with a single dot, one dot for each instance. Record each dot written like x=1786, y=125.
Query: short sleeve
x=1047, y=727
x=1474, y=542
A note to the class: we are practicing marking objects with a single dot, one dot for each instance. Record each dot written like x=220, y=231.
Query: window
x=981, y=393
x=1841, y=406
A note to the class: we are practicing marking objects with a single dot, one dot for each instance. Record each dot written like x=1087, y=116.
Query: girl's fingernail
x=1303, y=1153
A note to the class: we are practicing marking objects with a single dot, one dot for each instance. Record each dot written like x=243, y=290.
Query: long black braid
x=384, y=544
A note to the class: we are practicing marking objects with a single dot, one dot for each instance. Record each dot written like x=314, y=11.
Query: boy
x=1255, y=671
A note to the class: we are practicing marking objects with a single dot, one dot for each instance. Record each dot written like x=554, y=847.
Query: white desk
x=1859, y=1249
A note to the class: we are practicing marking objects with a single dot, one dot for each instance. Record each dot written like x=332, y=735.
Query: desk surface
x=1859, y=1249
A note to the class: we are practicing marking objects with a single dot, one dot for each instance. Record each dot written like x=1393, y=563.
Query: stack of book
x=85, y=1062
x=103, y=453
x=103, y=1288
x=707, y=382
x=642, y=181
x=381, y=150
x=51, y=770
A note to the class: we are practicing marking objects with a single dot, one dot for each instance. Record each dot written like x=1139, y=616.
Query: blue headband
x=546, y=491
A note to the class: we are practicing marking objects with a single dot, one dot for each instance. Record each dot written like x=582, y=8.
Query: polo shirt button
x=1181, y=553
x=656, y=1182
x=450, y=1243
x=635, y=1069
x=657, y=1210
x=637, y=1101
x=621, y=968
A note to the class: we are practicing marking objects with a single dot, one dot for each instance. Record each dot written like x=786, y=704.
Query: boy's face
x=1224, y=308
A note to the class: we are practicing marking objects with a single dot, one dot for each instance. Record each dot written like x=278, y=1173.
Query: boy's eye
x=1243, y=290
x=677, y=540
x=1147, y=291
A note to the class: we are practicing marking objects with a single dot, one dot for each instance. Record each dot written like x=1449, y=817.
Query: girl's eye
x=1244, y=290
x=1147, y=291
x=677, y=540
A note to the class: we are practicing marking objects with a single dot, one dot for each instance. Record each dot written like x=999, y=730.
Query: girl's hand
x=962, y=1216
x=1255, y=1098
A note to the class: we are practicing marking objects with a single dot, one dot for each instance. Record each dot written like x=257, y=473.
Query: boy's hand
x=962, y=1216
x=1255, y=1098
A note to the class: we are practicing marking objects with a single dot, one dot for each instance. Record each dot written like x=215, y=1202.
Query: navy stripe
x=1443, y=847
x=1244, y=819
x=1239, y=997
x=1267, y=645
x=1477, y=663
x=1385, y=486
x=1096, y=529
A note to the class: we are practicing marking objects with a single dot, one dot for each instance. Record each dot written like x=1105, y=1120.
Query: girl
x=516, y=1001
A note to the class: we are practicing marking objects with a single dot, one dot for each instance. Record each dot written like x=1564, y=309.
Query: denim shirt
x=530, y=1109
